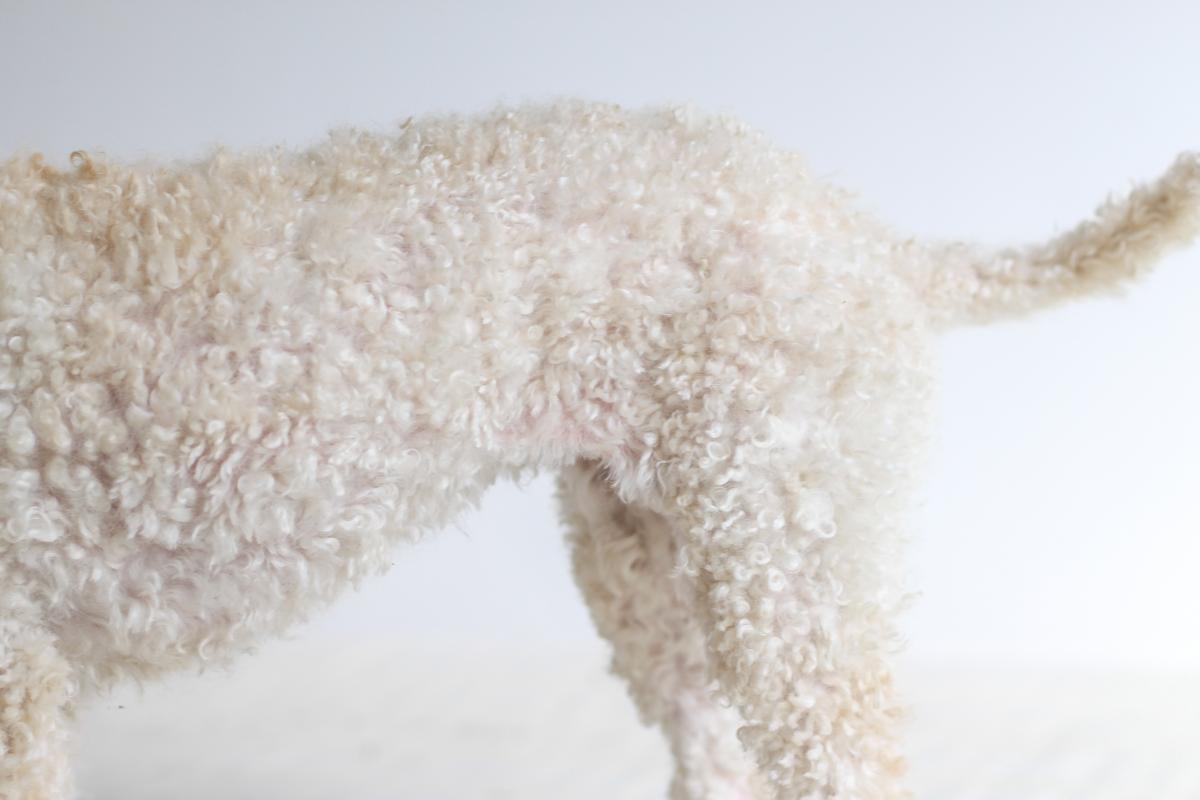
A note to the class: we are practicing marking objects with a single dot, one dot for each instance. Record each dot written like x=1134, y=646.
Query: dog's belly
x=231, y=541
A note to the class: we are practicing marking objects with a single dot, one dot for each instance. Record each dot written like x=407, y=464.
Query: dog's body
x=229, y=388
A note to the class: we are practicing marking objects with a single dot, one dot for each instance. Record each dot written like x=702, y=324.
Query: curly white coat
x=229, y=389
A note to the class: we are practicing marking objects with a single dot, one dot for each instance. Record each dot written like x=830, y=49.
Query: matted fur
x=229, y=388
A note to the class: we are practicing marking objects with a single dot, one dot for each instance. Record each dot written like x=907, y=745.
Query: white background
x=1060, y=520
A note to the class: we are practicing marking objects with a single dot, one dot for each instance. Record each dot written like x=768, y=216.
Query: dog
x=230, y=388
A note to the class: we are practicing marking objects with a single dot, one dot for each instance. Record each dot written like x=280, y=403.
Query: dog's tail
x=963, y=284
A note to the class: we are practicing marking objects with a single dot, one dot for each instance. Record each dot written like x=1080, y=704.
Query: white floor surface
x=393, y=721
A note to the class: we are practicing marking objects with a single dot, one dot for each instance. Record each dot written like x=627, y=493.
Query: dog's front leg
x=798, y=638
x=35, y=687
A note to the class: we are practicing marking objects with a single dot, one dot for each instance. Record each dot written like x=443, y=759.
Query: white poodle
x=230, y=388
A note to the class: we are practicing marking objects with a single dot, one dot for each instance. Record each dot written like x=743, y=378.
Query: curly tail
x=963, y=284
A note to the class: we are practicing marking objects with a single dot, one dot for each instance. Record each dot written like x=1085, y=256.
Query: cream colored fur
x=230, y=388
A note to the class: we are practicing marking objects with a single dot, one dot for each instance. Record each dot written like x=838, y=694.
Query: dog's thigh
x=35, y=686
x=624, y=561
x=799, y=609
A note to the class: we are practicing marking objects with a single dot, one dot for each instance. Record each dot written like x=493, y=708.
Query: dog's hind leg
x=799, y=620
x=624, y=560
x=35, y=688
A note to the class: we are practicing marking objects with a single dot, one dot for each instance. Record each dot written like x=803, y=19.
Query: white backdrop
x=1060, y=522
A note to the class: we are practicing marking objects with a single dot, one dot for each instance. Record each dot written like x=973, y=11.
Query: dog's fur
x=229, y=389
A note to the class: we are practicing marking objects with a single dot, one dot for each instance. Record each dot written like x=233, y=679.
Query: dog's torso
x=231, y=386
